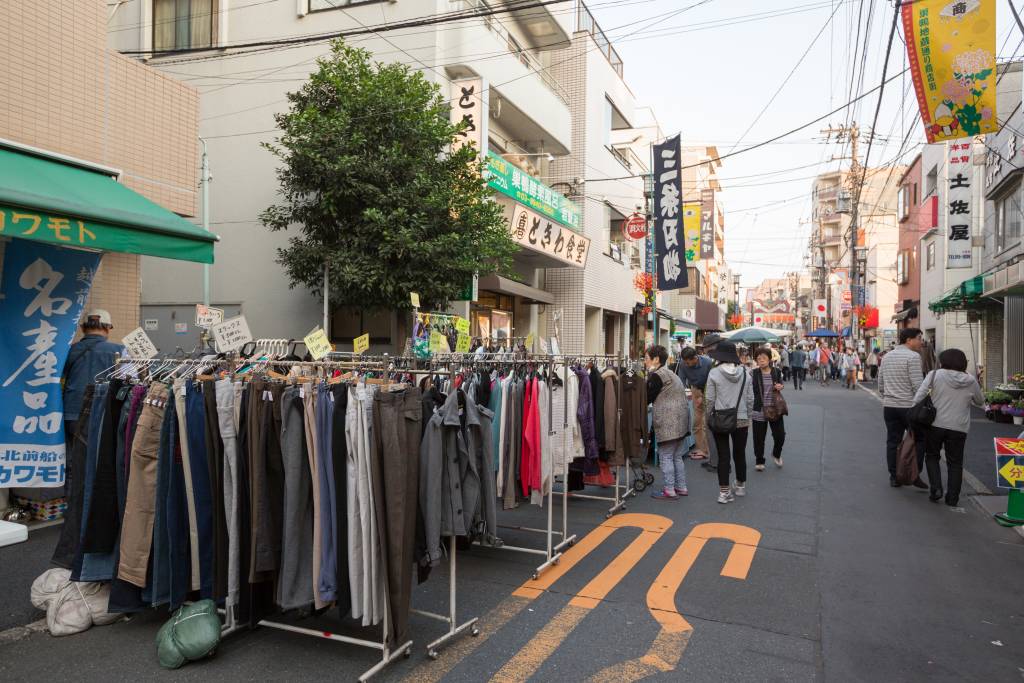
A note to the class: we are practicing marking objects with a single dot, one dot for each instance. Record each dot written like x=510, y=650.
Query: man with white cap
x=89, y=356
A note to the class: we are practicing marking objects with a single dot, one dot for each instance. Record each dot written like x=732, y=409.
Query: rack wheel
x=607, y=515
x=407, y=653
x=639, y=485
x=557, y=560
x=432, y=654
x=535, y=576
x=475, y=632
x=648, y=478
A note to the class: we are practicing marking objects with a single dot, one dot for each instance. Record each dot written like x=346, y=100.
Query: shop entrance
x=492, y=316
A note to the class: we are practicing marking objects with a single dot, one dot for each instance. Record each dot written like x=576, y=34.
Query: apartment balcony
x=826, y=192
x=546, y=27
x=831, y=237
x=524, y=97
x=585, y=22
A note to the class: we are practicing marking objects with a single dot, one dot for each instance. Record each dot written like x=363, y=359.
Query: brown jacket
x=612, y=435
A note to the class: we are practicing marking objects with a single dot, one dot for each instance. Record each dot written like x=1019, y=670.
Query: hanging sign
x=707, y=224
x=208, y=316
x=951, y=45
x=958, y=205
x=820, y=308
x=691, y=231
x=635, y=227
x=462, y=343
x=139, y=345
x=462, y=325
x=439, y=342
x=45, y=288
x=361, y=344
x=1009, y=463
x=232, y=334
x=415, y=299
x=317, y=343
x=512, y=182
x=533, y=231
x=529, y=341
x=469, y=107
x=669, y=251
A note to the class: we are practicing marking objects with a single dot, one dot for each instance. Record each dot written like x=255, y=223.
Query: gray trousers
x=295, y=581
x=226, y=413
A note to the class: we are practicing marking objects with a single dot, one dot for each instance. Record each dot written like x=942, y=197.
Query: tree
x=367, y=178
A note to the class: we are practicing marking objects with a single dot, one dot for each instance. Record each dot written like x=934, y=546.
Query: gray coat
x=723, y=392
x=952, y=394
x=671, y=410
x=457, y=487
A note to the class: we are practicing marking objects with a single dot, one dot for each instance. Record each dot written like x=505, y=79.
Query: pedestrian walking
x=693, y=369
x=670, y=424
x=798, y=361
x=953, y=391
x=729, y=391
x=707, y=345
x=784, y=362
x=851, y=366
x=899, y=378
x=766, y=381
x=872, y=364
x=823, y=358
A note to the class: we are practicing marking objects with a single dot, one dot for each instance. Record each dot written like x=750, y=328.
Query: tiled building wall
x=64, y=92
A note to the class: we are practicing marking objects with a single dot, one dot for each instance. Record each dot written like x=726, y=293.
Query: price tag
x=232, y=334
x=544, y=348
x=317, y=343
x=529, y=341
x=462, y=343
x=439, y=343
x=360, y=344
x=208, y=316
x=138, y=344
x=415, y=299
x=462, y=326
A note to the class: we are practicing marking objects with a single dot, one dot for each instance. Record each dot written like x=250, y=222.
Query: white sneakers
x=778, y=462
x=740, y=490
x=725, y=497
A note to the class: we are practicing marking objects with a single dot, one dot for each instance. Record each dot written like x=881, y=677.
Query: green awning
x=963, y=297
x=46, y=200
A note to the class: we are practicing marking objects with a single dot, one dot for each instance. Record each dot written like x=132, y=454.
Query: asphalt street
x=822, y=572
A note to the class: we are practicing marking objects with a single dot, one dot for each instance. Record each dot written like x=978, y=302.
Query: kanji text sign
x=232, y=334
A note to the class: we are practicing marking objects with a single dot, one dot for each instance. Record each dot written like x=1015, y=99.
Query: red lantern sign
x=635, y=227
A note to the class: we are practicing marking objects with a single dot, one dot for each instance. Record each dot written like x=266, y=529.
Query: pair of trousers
x=738, y=437
x=126, y=597
x=799, y=375
x=327, y=587
x=180, y=405
x=226, y=421
x=953, y=442
x=673, y=465
x=103, y=523
x=268, y=481
x=785, y=373
x=761, y=427
x=97, y=566
x=215, y=469
x=365, y=554
x=339, y=454
x=76, y=441
x=700, y=430
x=160, y=558
x=141, y=500
x=395, y=467
x=202, y=487
x=295, y=579
x=309, y=404
x=179, y=528
x=896, y=425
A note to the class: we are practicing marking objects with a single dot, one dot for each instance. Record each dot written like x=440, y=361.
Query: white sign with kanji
x=138, y=344
x=958, y=205
x=232, y=334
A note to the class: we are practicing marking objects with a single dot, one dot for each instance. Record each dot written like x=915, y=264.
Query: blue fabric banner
x=670, y=254
x=44, y=290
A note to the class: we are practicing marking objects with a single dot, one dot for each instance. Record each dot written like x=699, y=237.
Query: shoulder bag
x=923, y=412
x=724, y=421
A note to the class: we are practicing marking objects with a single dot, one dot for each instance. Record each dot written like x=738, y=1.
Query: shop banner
x=691, y=230
x=958, y=205
x=707, y=224
x=668, y=223
x=469, y=106
x=820, y=309
x=44, y=288
x=533, y=231
x=512, y=182
x=951, y=45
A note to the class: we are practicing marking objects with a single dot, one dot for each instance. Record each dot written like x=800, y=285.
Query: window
x=607, y=128
x=1008, y=217
x=184, y=24
x=931, y=182
x=929, y=259
x=903, y=202
x=321, y=5
x=913, y=194
x=903, y=268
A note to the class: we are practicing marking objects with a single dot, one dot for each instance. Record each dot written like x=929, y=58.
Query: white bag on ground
x=71, y=607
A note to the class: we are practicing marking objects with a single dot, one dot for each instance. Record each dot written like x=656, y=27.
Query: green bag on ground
x=192, y=633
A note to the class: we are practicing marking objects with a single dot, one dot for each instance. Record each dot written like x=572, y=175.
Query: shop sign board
x=232, y=334
x=533, y=231
x=469, y=106
x=359, y=345
x=707, y=224
x=958, y=205
x=691, y=231
x=820, y=309
x=139, y=345
x=45, y=288
x=669, y=244
x=512, y=182
x=635, y=227
x=208, y=316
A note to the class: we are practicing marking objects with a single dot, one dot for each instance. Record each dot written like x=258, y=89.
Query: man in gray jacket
x=898, y=380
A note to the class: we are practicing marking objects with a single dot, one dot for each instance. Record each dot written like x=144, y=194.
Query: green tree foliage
x=367, y=179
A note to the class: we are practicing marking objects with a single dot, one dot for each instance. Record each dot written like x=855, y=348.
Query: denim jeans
x=201, y=486
x=673, y=464
x=74, y=485
x=178, y=535
x=159, y=590
x=102, y=524
x=92, y=566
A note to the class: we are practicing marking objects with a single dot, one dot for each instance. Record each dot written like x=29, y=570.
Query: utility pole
x=855, y=180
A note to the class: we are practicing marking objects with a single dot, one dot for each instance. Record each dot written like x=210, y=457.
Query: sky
x=709, y=67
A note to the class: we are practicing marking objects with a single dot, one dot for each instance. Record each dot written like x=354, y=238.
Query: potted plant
x=995, y=401
x=1016, y=411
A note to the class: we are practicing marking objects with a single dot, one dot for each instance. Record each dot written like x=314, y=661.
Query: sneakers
x=740, y=490
x=725, y=497
x=682, y=492
x=663, y=495
x=759, y=467
x=778, y=462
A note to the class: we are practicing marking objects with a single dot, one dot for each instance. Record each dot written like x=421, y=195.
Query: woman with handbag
x=767, y=385
x=952, y=392
x=728, y=403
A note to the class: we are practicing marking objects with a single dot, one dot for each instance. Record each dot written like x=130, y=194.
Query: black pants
x=785, y=374
x=739, y=454
x=953, y=442
x=799, y=375
x=896, y=424
x=760, y=434
x=873, y=369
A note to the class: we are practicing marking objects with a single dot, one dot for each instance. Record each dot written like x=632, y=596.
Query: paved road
x=831, y=575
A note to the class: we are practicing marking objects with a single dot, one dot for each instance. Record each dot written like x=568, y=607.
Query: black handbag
x=923, y=412
x=724, y=421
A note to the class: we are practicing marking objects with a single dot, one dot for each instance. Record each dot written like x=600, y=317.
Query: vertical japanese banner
x=951, y=45
x=44, y=288
x=691, y=231
x=668, y=219
x=707, y=224
x=958, y=205
x=469, y=106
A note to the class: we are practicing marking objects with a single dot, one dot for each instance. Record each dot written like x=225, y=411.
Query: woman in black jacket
x=765, y=380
